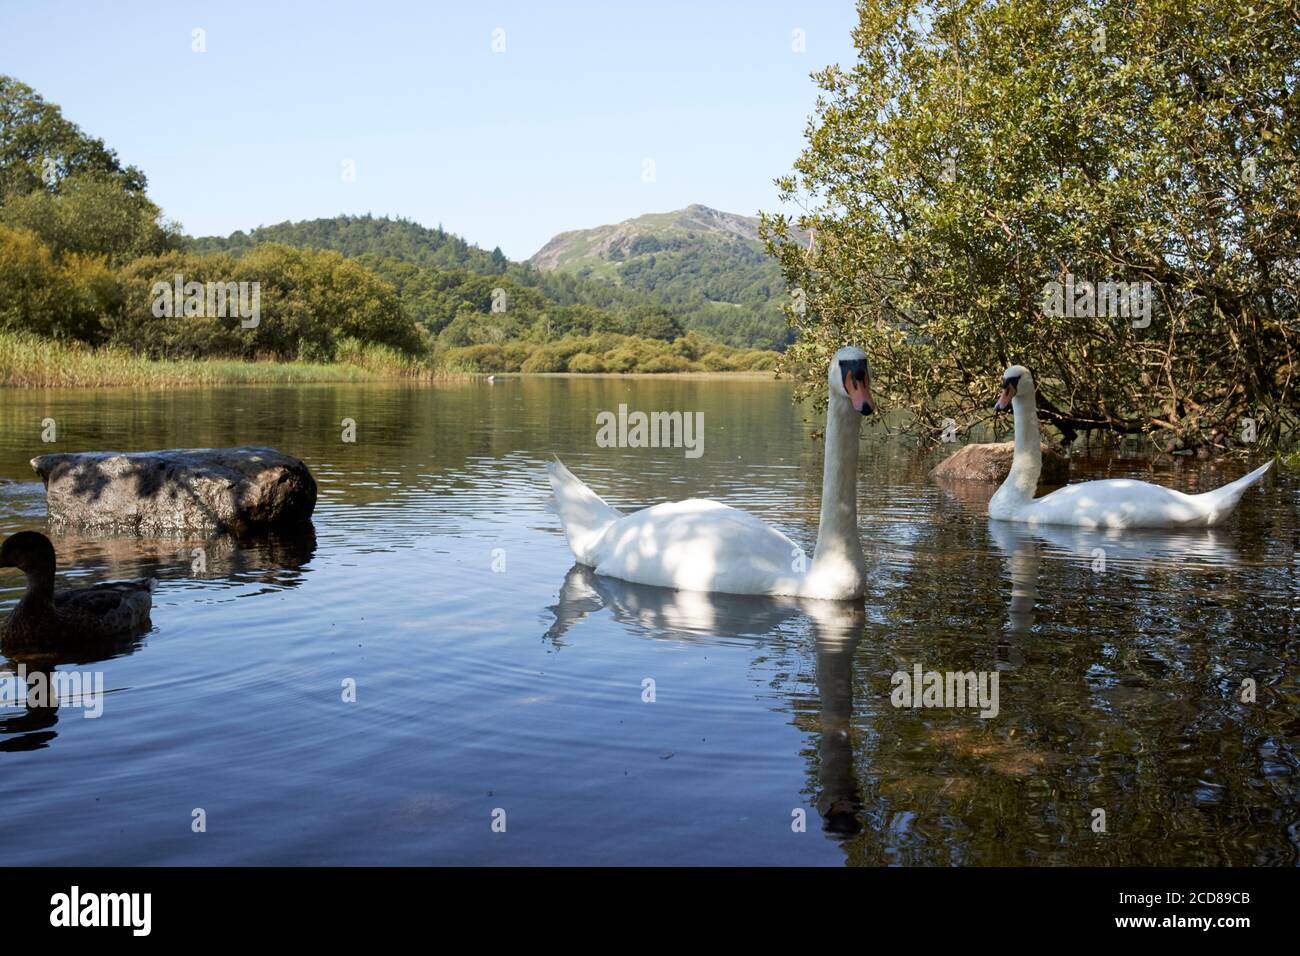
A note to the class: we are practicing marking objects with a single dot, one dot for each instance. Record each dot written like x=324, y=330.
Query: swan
x=44, y=616
x=702, y=545
x=1116, y=503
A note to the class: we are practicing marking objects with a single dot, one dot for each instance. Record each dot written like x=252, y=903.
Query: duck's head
x=28, y=551
x=1017, y=382
x=850, y=379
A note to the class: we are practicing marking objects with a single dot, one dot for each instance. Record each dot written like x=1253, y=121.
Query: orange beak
x=1004, y=400
x=860, y=395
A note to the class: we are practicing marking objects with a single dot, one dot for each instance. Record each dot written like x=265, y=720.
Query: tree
x=655, y=324
x=93, y=213
x=39, y=148
x=41, y=294
x=307, y=302
x=978, y=152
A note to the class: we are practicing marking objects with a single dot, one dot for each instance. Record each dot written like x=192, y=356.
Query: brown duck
x=73, y=616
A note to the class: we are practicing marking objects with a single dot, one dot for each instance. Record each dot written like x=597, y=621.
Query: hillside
x=360, y=235
x=702, y=267
x=397, y=248
x=603, y=245
x=704, y=262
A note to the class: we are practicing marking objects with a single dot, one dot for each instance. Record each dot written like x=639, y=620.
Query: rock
x=991, y=461
x=207, y=489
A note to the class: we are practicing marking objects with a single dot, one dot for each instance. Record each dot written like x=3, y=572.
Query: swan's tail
x=584, y=515
x=1222, y=501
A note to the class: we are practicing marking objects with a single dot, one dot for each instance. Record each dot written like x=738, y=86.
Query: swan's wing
x=701, y=545
x=1117, y=503
x=106, y=608
x=1128, y=503
x=583, y=514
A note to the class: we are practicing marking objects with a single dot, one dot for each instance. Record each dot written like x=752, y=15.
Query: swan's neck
x=1027, y=461
x=38, y=602
x=40, y=585
x=838, y=567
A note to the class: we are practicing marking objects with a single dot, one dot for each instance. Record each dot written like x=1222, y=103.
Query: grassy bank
x=29, y=360
x=32, y=362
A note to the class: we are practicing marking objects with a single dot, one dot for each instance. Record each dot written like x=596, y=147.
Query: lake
x=500, y=688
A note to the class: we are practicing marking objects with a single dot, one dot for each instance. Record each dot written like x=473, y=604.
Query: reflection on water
x=491, y=674
x=834, y=628
x=1100, y=551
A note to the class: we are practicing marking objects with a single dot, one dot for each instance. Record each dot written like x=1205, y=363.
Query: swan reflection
x=836, y=630
x=1176, y=548
x=1026, y=547
x=33, y=689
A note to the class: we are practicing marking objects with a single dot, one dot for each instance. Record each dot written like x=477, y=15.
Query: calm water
x=493, y=675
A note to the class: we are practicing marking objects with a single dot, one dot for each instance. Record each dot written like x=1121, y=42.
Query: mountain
x=704, y=268
x=615, y=244
x=707, y=264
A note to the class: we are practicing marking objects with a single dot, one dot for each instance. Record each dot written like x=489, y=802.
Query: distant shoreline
x=27, y=363
x=749, y=374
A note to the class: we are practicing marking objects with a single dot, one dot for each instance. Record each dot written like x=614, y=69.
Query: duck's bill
x=859, y=394
x=1004, y=400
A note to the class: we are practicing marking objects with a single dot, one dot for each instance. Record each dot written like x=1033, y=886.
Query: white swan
x=701, y=545
x=1113, y=503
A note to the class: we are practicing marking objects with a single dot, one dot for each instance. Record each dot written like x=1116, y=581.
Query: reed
x=28, y=361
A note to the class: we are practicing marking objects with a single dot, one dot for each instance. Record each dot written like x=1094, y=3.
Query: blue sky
x=503, y=148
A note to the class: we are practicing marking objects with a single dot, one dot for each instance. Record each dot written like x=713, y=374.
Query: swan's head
x=27, y=551
x=1017, y=382
x=850, y=378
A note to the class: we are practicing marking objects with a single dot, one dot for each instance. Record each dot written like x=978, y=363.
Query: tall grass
x=33, y=362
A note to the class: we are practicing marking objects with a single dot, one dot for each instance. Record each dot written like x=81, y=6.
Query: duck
x=72, y=616
x=704, y=545
x=1115, y=503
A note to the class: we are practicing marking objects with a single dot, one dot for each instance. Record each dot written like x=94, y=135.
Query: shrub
x=544, y=359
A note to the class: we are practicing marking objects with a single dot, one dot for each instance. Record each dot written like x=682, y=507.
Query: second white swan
x=1111, y=503
x=702, y=545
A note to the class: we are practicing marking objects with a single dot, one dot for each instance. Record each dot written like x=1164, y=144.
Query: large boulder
x=991, y=461
x=198, y=489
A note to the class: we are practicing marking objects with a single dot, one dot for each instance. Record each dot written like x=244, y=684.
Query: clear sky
x=505, y=148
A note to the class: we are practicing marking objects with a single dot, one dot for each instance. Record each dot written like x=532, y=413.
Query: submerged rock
x=209, y=489
x=991, y=461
